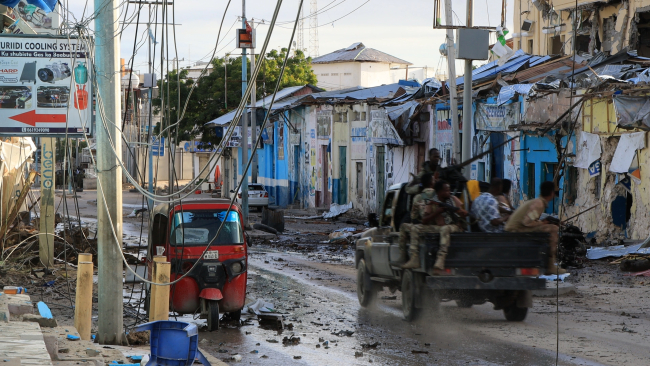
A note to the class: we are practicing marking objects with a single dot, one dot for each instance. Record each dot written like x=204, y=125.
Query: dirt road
x=319, y=298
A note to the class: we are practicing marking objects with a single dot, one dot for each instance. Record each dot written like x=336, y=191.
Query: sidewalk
x=39, y=342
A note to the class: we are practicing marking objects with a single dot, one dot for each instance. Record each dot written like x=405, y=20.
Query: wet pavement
x=320, y=305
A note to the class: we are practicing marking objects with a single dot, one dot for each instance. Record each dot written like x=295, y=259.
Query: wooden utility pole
x=46, y=222
x=110, y=328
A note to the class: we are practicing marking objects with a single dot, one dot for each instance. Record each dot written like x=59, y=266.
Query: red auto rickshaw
x=217, y=284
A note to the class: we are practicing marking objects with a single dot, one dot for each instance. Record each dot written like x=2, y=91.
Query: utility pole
x=109, y=197
x=253, y=115
x=451, y=61
x=467, y=100
x=244, y=123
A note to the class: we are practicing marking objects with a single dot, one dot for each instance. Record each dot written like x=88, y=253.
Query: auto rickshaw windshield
x=199, y=227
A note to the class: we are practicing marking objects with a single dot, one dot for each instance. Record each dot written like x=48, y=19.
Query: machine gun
x=453, y=174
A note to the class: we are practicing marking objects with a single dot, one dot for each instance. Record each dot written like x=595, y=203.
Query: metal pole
x=253, y=116
x=451, y=60
x=149, y=124
x=244, y=123
x=467, y=101
x=109, y=198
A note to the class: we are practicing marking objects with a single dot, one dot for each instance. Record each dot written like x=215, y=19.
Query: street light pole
x=451, y=60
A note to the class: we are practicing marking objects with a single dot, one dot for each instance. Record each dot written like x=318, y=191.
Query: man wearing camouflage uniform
x=413, y=230
x=428, y=167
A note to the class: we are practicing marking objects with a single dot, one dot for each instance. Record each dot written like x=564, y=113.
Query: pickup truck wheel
x=366, y=290
x=408, y=296
x=514, y=313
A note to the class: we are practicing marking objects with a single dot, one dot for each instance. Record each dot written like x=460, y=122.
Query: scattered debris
x=370, y=345
x=297, y=357
x=337, y=210
x=138, y=338
x=415, y=352
x=236, y=358
x=389, y=297
x=340, y=333
x=291, y=341
x=358, y=354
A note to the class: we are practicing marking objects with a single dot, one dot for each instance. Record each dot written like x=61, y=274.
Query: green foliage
x=220, y=91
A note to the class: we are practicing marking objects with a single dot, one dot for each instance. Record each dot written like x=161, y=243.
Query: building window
x=347, y=74
x=530, y=47
x=341, y=117
x=335, y=74
x=326, y=74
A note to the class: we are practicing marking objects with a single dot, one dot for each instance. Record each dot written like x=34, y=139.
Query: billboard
x=32, y=16
x=45, y=86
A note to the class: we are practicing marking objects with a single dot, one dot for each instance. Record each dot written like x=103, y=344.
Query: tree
x=220, y=92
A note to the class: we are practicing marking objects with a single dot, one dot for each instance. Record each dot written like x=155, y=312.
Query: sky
x=400, y=28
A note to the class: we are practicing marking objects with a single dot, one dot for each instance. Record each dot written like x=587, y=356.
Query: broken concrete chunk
x=43, y=322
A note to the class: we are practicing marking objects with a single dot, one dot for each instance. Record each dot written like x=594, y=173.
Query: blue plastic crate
x=173, y=343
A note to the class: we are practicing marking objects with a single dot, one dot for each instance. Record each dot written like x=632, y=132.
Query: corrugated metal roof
x=358, y=52
x=377, y=92
x=491, y=69
x=556, y=68
x=280, y=95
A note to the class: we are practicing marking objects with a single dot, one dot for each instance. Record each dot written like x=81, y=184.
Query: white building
x=193, y=72
x=356, y=65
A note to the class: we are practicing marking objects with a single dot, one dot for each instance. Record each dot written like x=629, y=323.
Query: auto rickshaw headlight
x=237, y=267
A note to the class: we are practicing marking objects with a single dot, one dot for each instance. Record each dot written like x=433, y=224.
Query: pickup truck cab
x=500, y=268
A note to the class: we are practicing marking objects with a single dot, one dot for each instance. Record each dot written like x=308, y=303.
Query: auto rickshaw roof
x=164, y=208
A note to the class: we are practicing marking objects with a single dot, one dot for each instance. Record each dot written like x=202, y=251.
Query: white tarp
x=616, y=251
x=625, y=151
x=588, y=150
x=336, y=210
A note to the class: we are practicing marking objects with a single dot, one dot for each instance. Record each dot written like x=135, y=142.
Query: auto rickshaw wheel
x=213, y=315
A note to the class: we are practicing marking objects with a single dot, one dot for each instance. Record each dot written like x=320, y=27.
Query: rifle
x=554, y=221
x=452, y=209
x=453, y=174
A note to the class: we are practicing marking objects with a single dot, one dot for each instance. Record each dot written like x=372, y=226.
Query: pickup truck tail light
x=266, y=194
x=238, y=195
x=527, y=271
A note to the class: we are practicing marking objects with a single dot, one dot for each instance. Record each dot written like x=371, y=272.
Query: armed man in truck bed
x=428, y=167
x=526, y=220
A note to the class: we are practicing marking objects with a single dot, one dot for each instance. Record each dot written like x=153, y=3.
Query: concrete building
x=193, y=72
x=543, y=27
x=357, y=65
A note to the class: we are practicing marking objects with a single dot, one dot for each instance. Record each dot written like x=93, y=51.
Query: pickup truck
x=501, y=268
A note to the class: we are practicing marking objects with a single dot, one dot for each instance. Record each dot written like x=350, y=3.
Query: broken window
x=642, y=41
x=597, y=187
x=609, y=29
x=582, y=43
x=530, y=47
x=555, y=45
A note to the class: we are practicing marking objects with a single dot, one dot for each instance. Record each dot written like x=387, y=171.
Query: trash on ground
x=336, y=210
x=339, y=237
x=358, y=354
x=291, y=341
x=258, y=307
x=236, y=358
x=347, y=333
x=555, y=277
x=419, y=352
x=370, y=345
x=72, y=337
x=616, y=251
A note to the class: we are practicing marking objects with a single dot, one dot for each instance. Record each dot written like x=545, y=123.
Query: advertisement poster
x=45, y=86
x=492, y=117
x=33, y=17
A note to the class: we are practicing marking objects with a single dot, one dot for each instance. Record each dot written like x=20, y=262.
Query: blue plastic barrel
x=173, y=343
